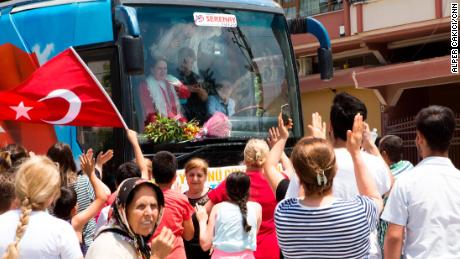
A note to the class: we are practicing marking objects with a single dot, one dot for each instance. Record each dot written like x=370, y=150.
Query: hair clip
x=321, y=178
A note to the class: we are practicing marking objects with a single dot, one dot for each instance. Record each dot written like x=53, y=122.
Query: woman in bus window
x=160, y=93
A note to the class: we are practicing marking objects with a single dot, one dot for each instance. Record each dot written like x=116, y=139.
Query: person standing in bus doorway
x=160, y=93
x=195, y=106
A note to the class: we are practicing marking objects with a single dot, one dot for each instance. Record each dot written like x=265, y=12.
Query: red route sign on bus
x=215, y=19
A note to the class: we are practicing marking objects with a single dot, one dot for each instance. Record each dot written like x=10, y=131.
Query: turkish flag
x=61, y=92
x=16, y=66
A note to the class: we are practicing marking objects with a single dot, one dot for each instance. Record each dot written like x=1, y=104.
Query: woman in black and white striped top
x=319, y=225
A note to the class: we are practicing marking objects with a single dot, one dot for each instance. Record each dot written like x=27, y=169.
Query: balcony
x=358, y=19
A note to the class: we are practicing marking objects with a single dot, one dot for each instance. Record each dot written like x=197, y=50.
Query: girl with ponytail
x=30, y=232
x=233, y=224
x=255, y=156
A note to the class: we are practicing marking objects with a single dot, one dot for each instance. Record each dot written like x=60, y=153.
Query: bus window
x=98, y=138
x=252, y=57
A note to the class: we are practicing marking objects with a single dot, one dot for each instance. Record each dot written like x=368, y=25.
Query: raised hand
x=87, y=163
x=317, y=128
x=132, y=135
x=355, y=136
x=89, y=153
x=162, y=244
x=103, y=158
x=273, y=136
x=284, y=129
x=368, y=143
x=201, y=213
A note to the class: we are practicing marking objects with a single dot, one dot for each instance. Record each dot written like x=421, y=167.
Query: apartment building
x=393, y=54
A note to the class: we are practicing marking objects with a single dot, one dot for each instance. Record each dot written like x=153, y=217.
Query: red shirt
x=177, y=210
x=259, y=191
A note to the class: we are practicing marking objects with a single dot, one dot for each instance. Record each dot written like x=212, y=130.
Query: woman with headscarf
x=136, y=214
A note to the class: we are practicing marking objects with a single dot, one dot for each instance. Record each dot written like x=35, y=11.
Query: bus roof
x=257, y=5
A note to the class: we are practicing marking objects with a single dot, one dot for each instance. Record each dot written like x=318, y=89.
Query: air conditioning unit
x=305, y=66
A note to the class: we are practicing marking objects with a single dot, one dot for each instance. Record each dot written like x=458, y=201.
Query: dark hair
x=392, y=145
x=157, y=59
x=17, y=153
x=164, y=167
x=5, y=161
x=7, y=191
x=343, y=111
x=125, y=171
x=62, y=154
x=185, y=52
x=66, y=202
x=220, y=82
x=437, y=125
x=237, y=186
x=310, y=157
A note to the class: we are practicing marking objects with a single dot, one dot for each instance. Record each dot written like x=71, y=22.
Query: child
x=222, y=102
x=233, y=224
x=30, y=232
x=66, y=206
x=177, y=214
x=8, y=199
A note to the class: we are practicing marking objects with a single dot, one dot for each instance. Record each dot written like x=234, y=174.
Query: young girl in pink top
x=233, y=224
x=255, y=154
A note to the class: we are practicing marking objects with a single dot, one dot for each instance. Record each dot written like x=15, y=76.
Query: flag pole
x=100, y=87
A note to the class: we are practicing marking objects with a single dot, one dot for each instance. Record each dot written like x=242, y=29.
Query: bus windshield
x=202, y=61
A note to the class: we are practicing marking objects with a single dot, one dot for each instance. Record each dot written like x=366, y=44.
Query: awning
x=389, y=80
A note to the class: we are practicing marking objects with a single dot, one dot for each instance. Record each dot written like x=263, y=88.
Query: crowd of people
x=339, y=195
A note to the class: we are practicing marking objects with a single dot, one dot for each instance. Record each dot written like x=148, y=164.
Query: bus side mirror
x=325, y=63
x=313, y=26
x=133, y=54
x=131, y=41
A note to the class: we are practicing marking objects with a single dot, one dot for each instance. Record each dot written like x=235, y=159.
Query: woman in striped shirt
x=319, y=225
x=61, y=153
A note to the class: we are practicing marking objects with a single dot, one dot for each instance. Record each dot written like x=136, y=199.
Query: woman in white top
x=233, y=224
x=160, y=93
x=30, y=232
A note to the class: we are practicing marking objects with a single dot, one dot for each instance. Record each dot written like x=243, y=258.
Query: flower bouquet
x=217, y=126
x=164, y=129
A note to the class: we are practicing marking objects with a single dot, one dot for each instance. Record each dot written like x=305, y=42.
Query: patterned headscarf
x=118, y=223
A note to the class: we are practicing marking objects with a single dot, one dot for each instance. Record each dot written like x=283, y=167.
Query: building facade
x=394, y=54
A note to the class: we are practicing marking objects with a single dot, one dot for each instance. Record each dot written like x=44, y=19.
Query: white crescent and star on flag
x=69, y=96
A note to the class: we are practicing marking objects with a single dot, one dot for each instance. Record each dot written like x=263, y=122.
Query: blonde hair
x=37, y=182
x=196, y=163
x=255, y=153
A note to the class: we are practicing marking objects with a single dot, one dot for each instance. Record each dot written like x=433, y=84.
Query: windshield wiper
x=240, y=40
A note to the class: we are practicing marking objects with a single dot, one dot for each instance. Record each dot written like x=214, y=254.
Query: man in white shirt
x=343, y=110
x=424, y=205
